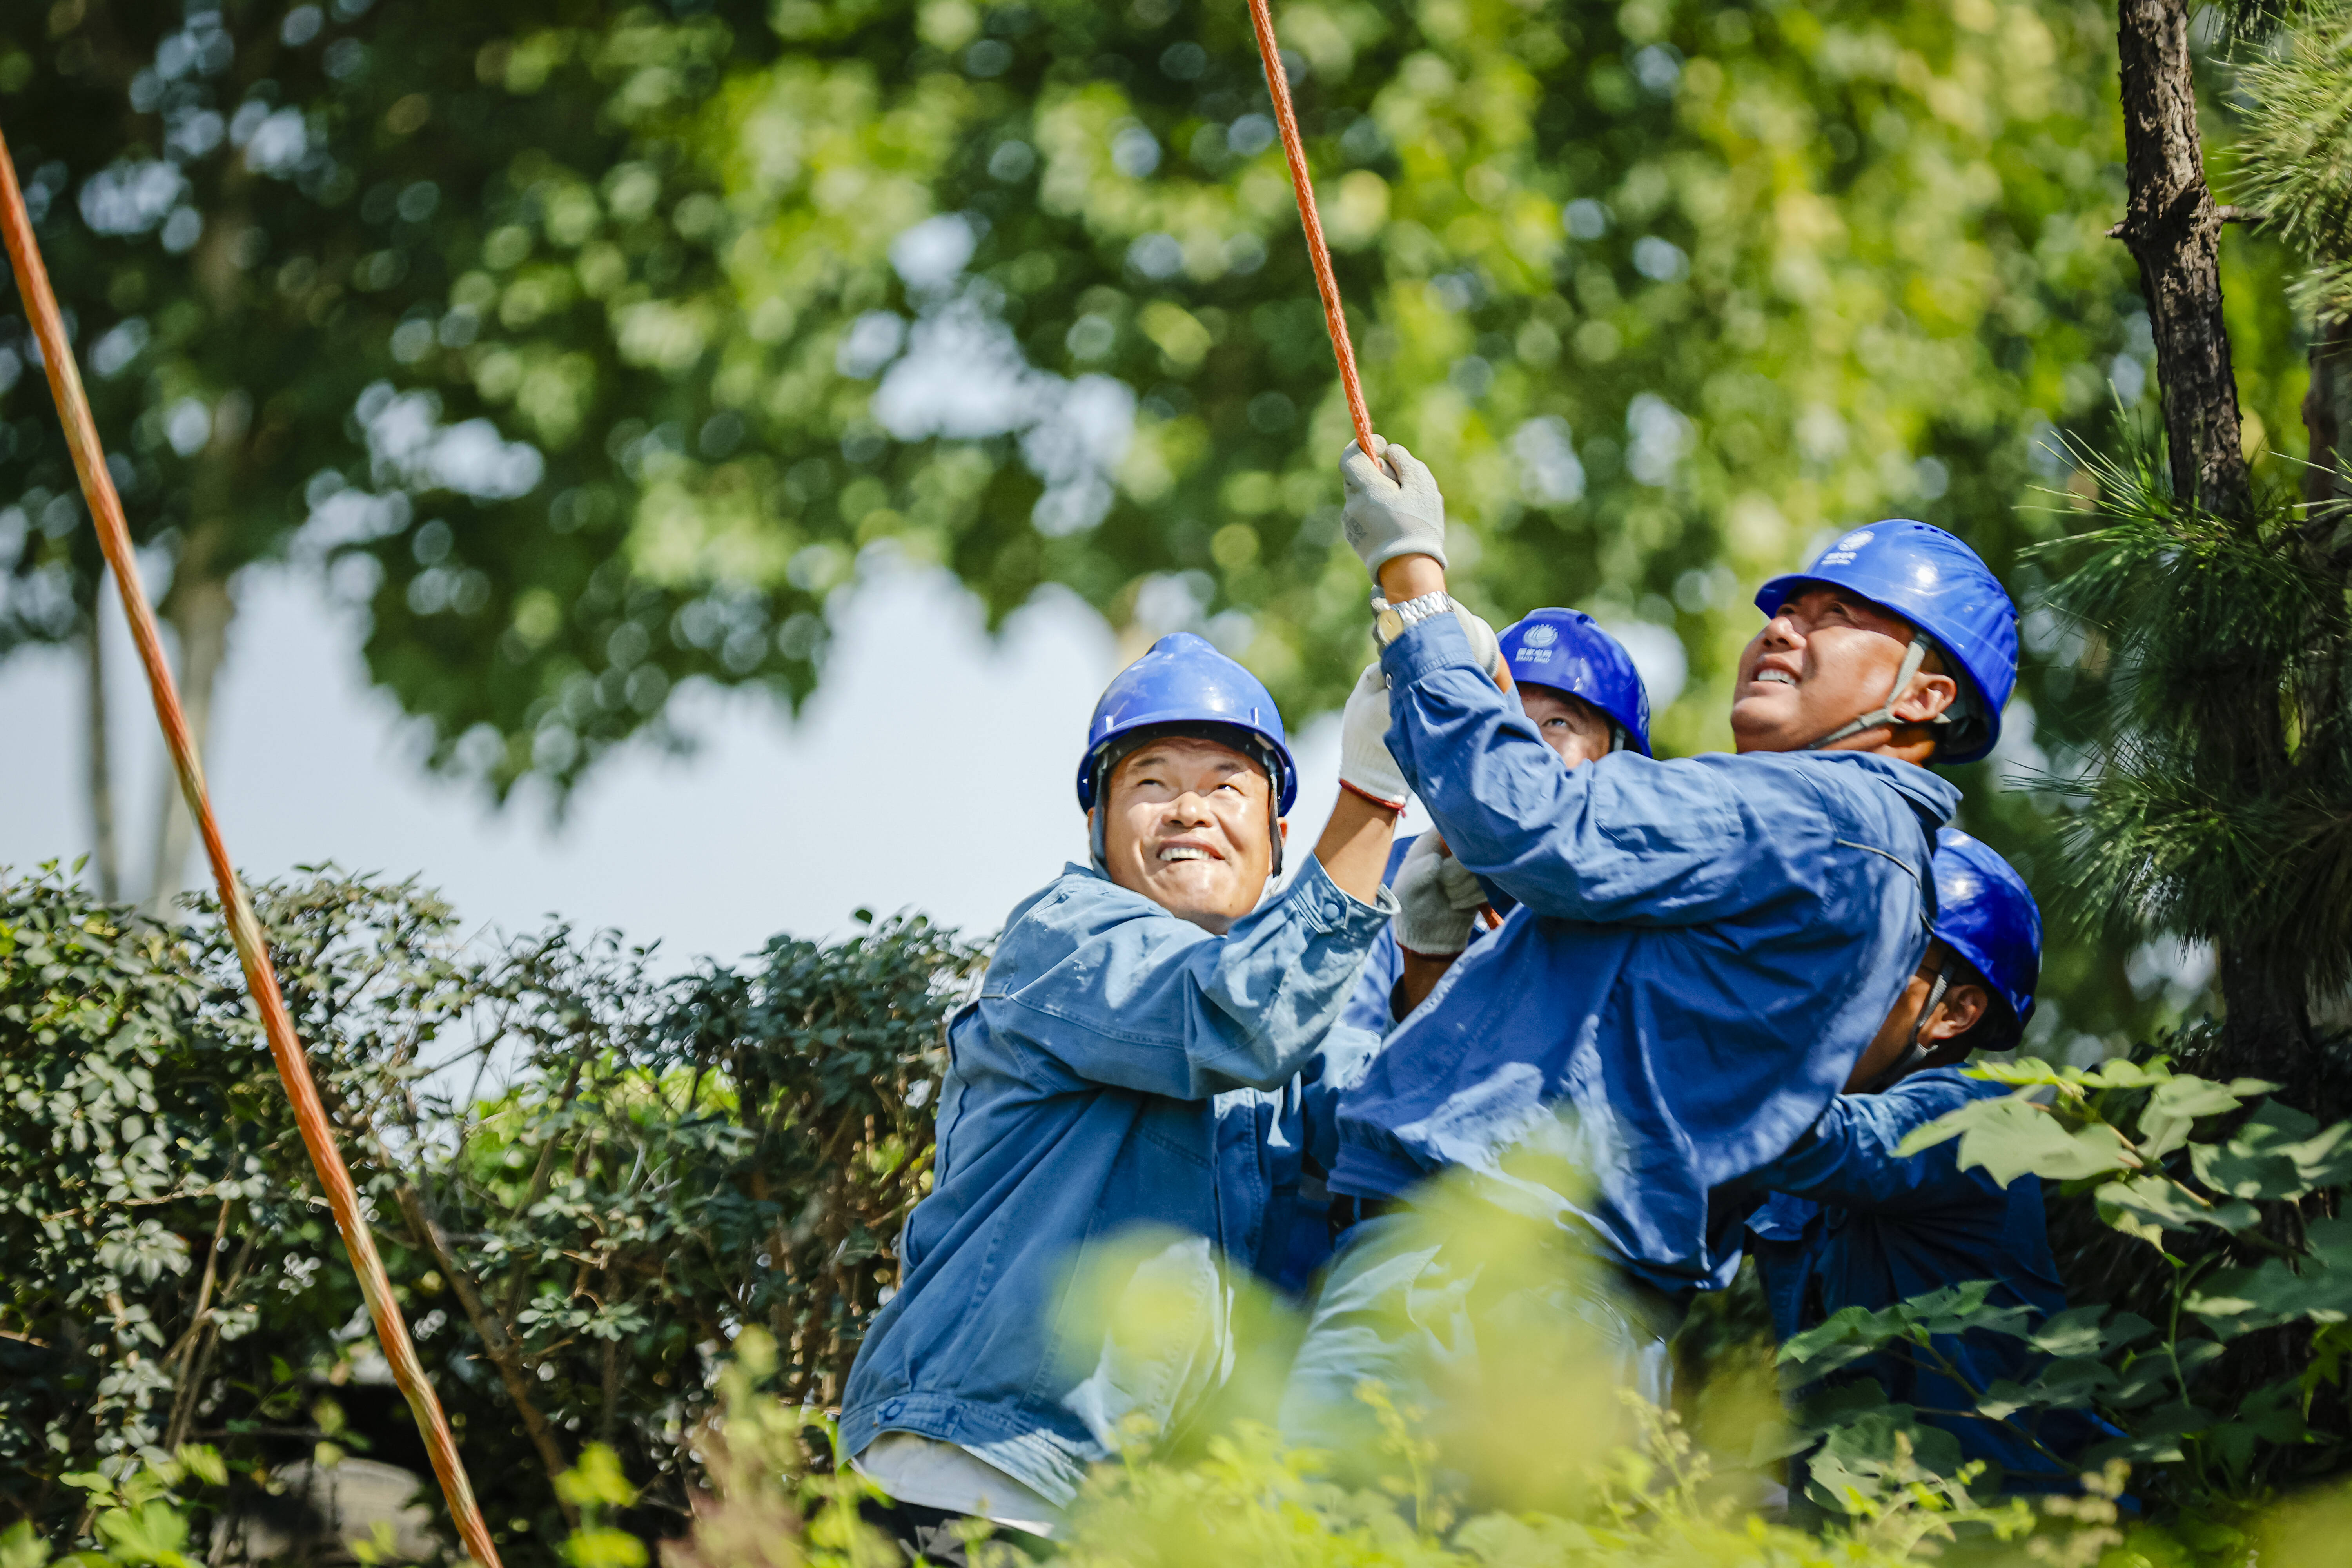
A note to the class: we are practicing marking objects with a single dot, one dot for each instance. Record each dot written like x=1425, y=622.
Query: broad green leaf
x=154, y=1532
x=2279, y=1153
x=2074, y=1331
x=2154, y=1203
x=21, y=1546
x=2069, y=1382
x=2239, y=1300
x=2013, y=1137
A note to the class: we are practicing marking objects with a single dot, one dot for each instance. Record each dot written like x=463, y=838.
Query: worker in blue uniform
x=1130, y=1071
x=1578, y=686
x=1851, y=1223
x=1701, y=950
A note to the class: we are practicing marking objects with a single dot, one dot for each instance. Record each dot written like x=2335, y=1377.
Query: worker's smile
x=1189, y=849
x=1772, y=671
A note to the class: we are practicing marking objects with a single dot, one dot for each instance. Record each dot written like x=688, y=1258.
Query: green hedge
x=662, y=1162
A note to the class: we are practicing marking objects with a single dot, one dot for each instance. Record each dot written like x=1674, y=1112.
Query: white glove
x=1437, y=899
x=1484, y=647
x=1365, y=765
x=1391, y=515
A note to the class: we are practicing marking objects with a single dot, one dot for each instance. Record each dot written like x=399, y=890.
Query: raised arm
x=1847, y=1159
x=1624, y=838
x=1102, y=986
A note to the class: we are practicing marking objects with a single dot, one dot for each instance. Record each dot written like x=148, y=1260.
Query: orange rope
x=1334, y=317
x=114, y=539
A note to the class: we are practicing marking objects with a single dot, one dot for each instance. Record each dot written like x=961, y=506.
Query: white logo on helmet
x=1540, y=637
x=1842, y=552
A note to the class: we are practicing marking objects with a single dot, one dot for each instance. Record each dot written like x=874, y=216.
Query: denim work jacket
x=1124, y=1111
x=1852, y=1224
x=1702, y=949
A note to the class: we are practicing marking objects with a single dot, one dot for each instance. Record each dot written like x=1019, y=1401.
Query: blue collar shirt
x=1852, y=1224
x=1702, y=949
x=1129, y=1086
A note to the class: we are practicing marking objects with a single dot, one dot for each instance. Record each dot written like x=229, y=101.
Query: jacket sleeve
x=1346, y=1056
x=1623, y=839
x=1847, y=1159
x=1099, y=987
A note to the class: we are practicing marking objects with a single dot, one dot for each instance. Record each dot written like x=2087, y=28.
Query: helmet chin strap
x=1913, y=1053
x=1884, y=714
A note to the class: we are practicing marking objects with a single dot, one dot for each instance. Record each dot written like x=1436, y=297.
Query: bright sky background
x=931, y=770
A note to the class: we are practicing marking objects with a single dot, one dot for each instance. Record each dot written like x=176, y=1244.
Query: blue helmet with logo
x=1183, y=686
x=1985, y=914
x=1568, y=651
x=1941, y=587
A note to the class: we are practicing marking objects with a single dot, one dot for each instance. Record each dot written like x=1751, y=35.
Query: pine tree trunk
x=2328, y=415
x=2174, y=231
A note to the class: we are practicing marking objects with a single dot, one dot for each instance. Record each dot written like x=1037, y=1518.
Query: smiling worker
x=1703, y=946
x=1131, y=1066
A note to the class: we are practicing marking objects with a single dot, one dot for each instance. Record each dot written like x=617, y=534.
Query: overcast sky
x=932, y=770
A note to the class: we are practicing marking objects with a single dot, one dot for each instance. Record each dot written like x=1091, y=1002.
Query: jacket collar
x=1935, y=798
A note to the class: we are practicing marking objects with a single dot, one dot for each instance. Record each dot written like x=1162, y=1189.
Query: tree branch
x=495, y=1342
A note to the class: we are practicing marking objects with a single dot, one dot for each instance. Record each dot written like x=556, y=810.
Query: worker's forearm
x=1411, y=577
x=1354, y=848
x=1419, y=977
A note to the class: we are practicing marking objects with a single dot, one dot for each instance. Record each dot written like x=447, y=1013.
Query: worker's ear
x=1929, y=695
x=1964, y=1005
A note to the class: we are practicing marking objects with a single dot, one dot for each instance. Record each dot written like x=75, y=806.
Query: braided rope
x=1335, y=316
x=252, y=951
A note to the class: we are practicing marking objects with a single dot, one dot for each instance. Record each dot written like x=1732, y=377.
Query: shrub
x=663, y=1162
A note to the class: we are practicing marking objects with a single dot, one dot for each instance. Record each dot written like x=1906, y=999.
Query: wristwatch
x=1390, y=621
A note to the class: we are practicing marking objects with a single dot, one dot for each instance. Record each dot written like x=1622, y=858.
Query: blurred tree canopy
x=592, y=346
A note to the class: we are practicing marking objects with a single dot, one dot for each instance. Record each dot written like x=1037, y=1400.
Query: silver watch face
x=1388, y=625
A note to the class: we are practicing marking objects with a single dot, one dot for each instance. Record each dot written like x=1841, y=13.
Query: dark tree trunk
x=2174, y=231
x=2328, y=415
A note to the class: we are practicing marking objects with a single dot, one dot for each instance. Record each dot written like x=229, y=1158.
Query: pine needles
x=2218, y=802
x=2296, y=149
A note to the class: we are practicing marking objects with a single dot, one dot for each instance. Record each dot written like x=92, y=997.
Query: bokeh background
x=689, y=467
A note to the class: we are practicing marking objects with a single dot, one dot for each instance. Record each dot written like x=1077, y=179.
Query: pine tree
x=2219, y=791
x=2297, y=174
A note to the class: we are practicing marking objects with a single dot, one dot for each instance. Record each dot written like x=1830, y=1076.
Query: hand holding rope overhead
x=252, y=950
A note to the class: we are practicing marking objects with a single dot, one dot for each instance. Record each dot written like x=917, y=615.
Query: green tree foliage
x=746, y=291
x=282, y=233
x=2181, y=829
x=2218, y=1360
x=669, y=1163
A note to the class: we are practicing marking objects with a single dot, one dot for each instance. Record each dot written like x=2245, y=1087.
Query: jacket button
x=891, y=1409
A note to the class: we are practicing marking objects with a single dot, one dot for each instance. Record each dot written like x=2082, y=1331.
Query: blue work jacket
x=1850, y=1224
x=1127, y=1086
x=1368, y=1004
x=1702, y=949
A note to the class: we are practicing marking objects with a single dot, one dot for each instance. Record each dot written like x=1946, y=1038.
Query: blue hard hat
x=1182, y=682
x=1941, y=587
x=1985, y=914
x=1568, y=651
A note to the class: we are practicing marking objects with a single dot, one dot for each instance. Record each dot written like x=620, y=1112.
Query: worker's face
x=1964, y=1001
x=1188, y=826
x=1828, y=658
x=1570, y=725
